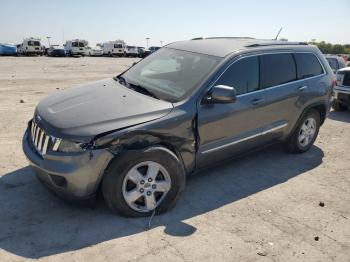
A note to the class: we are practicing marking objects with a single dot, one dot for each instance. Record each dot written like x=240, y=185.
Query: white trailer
x=112, y=48
x=30, y=46
x=76, y=47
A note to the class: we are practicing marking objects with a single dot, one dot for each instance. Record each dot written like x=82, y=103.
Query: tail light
x=334, y=81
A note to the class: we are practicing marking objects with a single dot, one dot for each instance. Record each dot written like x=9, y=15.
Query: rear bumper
x=73, y=176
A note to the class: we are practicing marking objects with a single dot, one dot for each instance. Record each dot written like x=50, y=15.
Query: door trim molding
x=246, y=138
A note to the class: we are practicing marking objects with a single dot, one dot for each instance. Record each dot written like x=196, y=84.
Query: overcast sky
x=168, y=21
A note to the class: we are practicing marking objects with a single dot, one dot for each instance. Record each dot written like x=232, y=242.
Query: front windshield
x=33, y=43
x=171, y=74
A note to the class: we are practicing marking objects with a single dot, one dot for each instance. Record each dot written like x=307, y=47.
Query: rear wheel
x=305, y=133
x=338, y=106
x=140, y=182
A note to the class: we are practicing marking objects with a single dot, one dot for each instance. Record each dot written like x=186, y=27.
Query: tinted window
x=333, y=63
x=308, y=65
x=277, y=69
x=242, y=75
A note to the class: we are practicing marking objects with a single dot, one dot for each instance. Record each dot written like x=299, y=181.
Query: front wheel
x=140, y=182
x=305, y=133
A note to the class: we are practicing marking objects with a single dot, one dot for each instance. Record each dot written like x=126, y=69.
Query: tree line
x=328, y=48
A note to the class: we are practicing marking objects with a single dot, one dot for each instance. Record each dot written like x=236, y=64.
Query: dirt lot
x=263, y=207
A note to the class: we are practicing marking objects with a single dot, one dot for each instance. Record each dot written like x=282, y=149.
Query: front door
x=227, y=129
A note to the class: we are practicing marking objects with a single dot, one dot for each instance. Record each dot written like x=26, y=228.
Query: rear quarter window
x=277, y=69
x=308, y=65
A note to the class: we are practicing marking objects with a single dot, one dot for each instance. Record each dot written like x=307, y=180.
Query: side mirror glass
x=220, y=94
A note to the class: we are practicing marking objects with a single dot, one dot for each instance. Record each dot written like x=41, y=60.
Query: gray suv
x=187, y=106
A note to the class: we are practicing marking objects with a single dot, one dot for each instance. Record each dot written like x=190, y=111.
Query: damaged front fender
x=176, y=131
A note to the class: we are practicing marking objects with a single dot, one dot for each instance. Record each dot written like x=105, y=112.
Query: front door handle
x=302, y=88
x=257, y=101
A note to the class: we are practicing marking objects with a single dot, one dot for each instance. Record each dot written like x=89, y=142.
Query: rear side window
x=243, y=75
x=277, y=69
x=333, y=63
x=308, y=65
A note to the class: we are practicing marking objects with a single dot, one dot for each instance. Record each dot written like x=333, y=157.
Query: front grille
x=40, y=139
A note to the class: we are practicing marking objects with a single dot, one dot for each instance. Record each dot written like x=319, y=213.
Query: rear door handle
x=257, y=101
x=302, y=88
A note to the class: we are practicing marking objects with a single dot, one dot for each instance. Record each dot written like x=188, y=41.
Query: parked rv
x=8, y=49
x=76, y=47
x=113, y=48
x=30, y=46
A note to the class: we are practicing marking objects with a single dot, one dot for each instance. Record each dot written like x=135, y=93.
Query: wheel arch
x=159, y=144
x=320, y=107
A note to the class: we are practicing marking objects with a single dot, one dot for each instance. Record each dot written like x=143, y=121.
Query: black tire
x=118, y=168
x=338, y=106
x=293, y=145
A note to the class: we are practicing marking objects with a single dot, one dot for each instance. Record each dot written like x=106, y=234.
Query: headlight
x=70, y=147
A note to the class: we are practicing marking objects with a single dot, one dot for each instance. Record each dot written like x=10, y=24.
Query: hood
x=83, y=112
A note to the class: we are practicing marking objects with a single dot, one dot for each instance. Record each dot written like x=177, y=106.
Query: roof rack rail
x=276, y=43
x=223, y=37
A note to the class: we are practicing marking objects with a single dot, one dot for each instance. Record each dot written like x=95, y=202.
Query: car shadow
x=342, y=116
x=35, y=224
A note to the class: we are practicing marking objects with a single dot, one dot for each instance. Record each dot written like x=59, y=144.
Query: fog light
x=59, y=181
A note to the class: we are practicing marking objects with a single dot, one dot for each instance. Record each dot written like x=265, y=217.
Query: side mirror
x=220, y=94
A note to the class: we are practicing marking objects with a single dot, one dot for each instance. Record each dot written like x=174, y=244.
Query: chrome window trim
x=245, y=138
x=271, y=53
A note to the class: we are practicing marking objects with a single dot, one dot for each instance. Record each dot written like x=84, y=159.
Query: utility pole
x=147, y=41
x=48, y=40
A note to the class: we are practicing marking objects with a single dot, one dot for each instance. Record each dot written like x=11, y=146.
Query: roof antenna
x=279, y=31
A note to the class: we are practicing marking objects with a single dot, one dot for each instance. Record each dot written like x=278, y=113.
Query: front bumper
x=73, y=176
x=342, y=95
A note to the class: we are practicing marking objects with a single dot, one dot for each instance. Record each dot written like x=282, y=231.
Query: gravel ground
x=262, y=207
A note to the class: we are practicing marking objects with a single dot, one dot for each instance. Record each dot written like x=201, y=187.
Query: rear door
x=227, y=129
x=278, y=77
x=290, y=81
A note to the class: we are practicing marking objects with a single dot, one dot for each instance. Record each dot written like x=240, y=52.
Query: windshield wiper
x=121, y=80
x=142, y=90
x=135, y=87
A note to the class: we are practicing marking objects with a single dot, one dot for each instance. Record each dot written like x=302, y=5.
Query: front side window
x=308, y=65
x=243, y=75
x=277, y=69
x=171, y=74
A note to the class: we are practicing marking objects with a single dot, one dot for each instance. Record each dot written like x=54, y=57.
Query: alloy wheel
x=145, y=186
x=307, y=132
